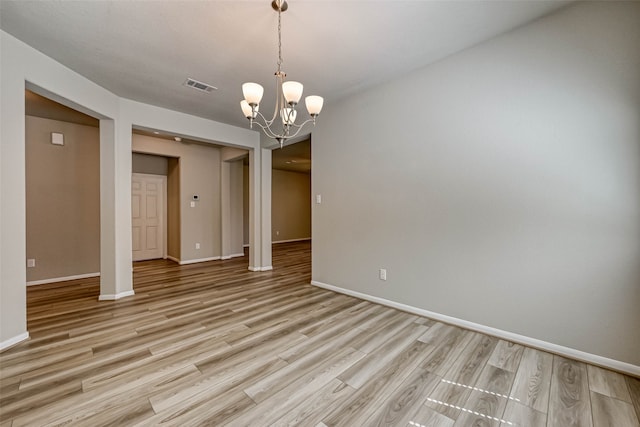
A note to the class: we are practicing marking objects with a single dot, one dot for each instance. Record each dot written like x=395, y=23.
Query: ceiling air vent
x=203, y=87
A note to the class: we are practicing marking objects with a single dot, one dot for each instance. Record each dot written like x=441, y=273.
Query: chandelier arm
x=266, y=127
x=268, y=132
x=301, y=125
x=294, y=134
x=286, y=132
x=266, y=122
x=298, y=129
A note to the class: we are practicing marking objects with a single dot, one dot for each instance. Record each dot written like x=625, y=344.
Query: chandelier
x=288, y=94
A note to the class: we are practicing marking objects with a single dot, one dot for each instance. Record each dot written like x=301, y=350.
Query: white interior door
x=148, y=195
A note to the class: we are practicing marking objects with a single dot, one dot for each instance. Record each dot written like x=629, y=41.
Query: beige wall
x=150, y=164
x=63, y=199
x=509, y=197
x=64, y=181
x=199, y=173
x=290, y=205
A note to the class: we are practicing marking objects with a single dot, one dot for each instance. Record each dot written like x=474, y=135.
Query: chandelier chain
x=279, y=36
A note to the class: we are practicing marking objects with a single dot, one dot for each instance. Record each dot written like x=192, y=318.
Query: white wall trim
x=112, y=297
x=13, y=341
x=232, y=256
x=267, y=268
x=62, y=279
x=284, y=241
x=291, y=240
x=582, y=356
x=194, y=261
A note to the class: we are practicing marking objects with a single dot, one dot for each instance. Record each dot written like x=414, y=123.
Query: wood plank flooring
x=215, y=344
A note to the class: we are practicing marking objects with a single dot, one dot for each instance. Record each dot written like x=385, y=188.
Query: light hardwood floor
x=214, y=344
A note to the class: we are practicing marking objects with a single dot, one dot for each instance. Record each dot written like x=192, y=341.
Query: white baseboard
x=174, y=259
x=267, y=268
x=62, y=279
x=13, y=341
x=291, y=240
x=231, y=256
x=195, y=261
x=285, y=241
x=113, y=297
x=582, y=356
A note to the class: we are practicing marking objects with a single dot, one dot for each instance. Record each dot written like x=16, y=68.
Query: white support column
x=116, y=279
x=13, y=246
x=260, y=210
x=236, y=238
x=225, y=208
x=255, y=235
x=265, y=170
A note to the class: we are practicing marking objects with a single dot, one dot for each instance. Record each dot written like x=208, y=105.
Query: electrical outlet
x=197, y=245
x=31, y=262
x=277, y=233
x=383, y=274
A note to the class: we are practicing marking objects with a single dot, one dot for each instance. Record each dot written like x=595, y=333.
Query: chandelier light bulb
x=252, y=93
x=248, y=112
x=314, y=104
x=292, y=92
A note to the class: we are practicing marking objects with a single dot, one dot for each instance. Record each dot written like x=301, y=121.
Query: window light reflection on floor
x=489, y=417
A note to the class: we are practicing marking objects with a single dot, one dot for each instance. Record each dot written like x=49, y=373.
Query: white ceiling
x=145, y=50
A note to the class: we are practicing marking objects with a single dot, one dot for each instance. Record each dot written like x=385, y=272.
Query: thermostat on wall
x=195, y=197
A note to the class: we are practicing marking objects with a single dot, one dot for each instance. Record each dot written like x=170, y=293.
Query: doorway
x=148, y=216
x=62, y=183
x=291, y=193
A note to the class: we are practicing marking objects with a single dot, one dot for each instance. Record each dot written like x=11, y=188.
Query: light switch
x=193, y=204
